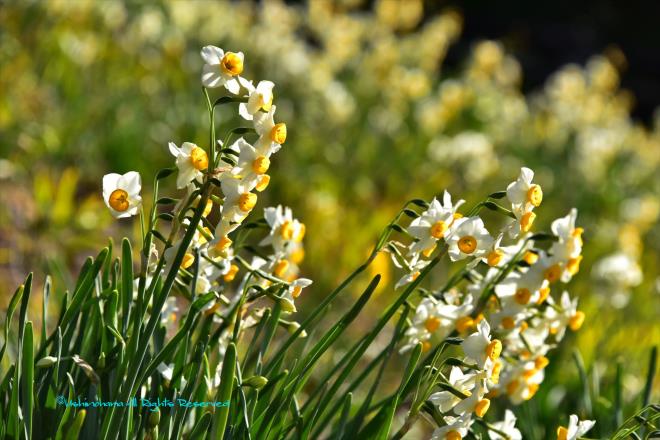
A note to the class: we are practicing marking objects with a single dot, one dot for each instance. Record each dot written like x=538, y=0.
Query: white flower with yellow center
x=464, y=383
x=479, y=347
x=260, y=98
x=222, y=68
x=522, y=380
x=568, y=247
x=169, y=314
x=271, y=135
x=523, y=192
x=284, y=230
x=238, y=201
x=468, y=237
x=191, y=161
x=294, y=291
x=520, y=290
x=496, y=255
x=251, y=163
x=475, y=402
x=414, y=269
x=121, y=193
x=506, y=427
x=524, y=197
x=568, y=316
x=456, y=428
x=432, y=318
x=432, y=224
x=575, y=429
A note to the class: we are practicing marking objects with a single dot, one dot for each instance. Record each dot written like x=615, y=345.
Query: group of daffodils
x=506, y=313
x=241, y=170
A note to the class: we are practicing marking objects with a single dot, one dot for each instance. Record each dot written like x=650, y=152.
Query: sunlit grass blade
x=584, y=380
x=27, y=403
x=650, y=375
x=126, y=282
x=18, y=294
x=224, y=393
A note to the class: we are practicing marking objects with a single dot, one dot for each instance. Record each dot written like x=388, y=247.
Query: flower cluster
x=211, y=259
x=506, y=313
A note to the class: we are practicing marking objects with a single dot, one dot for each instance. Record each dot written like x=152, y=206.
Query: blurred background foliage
x=375, y=117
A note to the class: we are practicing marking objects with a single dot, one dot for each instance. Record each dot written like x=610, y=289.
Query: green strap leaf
x=224, y=392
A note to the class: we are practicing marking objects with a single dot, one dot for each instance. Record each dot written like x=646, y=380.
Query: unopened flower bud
x=256, y=382
x=46, y=361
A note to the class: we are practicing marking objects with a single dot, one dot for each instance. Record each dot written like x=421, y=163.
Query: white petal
x=212, y=55
x=131, y=183
x=211, y=76
x=174, y=149
x=244, y=112
x=526, y=174
x=110, y=184
x=233, y=86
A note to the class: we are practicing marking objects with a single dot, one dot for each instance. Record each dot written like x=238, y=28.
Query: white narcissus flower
x=518, y=290
x=121, y=193
x=191, y=161
x=522, y=380
x=507, y=427
x=222, y=68
x=292, y=292
x=260, y=98
x=468, y=237
x=475, y=402
x=575, y=429
x=271, y=135
x=523, y=192
x=479, y=347
x=252, y=163
x=416, y=265
x=566, y=251
x=170, y=311
x=456, y=428
x=524, y=197
x=446, y=400
x=569, y=316
x=428, y=320
x=284, y=230
x=432, y=224
x=494, y=256
x=239, y=201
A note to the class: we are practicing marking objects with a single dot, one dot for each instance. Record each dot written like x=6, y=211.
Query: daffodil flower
x=446, y=400
x=575, y=429
x=415, y=265
x=239, y=200
x=479, y=347
x=468, y=237
x=293, y=292
x=433, y=224
x=524, y=192
x=284, y=229
x=222, y=68
x=475, y=402
x=252, y=164
x=507, y=427
x=260, y=98
x=121, y=193
x=524, y=197
x=191, y=161
x=568, y=247
x=455, y=429
x=271, y=135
